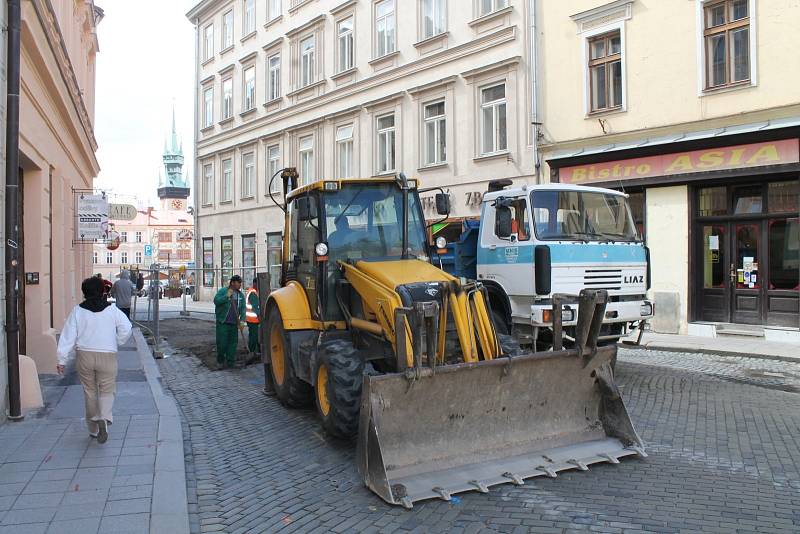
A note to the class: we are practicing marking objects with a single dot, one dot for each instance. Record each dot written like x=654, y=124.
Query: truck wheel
x=289, y=389
x=338, y=390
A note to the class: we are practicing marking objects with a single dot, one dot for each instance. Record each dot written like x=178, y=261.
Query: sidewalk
x=727, y=345
x=55, y=479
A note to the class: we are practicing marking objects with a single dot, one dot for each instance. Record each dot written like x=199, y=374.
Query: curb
x=716, y=352
x=169, y=511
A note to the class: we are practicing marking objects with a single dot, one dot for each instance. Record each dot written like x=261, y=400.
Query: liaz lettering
x=633, y=279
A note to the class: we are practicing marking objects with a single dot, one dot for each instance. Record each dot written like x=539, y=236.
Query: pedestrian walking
x=229, y=305
x=252, y=315
x=140, y=283
x=106, y=285
x=95, y=329
x=122, y=292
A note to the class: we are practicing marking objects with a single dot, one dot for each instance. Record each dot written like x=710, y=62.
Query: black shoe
x=102, y=434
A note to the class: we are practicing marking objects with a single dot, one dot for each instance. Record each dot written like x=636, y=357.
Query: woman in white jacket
x=95, y=329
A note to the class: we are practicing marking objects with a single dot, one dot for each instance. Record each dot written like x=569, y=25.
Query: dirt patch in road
x=198, y=338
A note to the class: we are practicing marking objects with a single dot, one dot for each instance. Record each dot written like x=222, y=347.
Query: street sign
x=92, y=216
x=122, y=212
x=148, y=250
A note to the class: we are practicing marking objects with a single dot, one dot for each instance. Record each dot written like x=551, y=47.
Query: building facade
x=57, y=154
x=700, y=126
x=163, y=235
x=351, y=89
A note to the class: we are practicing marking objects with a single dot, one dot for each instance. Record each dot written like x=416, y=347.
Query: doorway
x=747, y=250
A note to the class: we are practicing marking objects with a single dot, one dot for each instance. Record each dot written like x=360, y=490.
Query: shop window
x=784, y=254
x=226, y=244
x=274, y=252
x=248, y=259
x=747, y=200
x=782, y=197
x=208, y=262
x=712, y=201
x=714, y=274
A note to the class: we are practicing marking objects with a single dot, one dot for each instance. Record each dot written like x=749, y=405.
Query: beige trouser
x=98, y=374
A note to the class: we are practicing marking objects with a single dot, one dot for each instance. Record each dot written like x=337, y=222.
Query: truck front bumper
x=616, y=312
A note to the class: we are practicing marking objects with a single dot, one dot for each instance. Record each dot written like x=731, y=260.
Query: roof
x=520, y=191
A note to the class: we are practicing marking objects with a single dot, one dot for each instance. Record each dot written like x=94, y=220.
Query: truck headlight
x=321, y=249
x=441, y=242
x=646, y=309
x=567, y=315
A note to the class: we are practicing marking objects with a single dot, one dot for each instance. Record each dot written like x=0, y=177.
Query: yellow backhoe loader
x=405, y=356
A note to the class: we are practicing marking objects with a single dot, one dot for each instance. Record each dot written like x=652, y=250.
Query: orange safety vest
x=250, y=315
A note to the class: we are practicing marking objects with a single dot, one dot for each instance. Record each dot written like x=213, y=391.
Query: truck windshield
x=365, y=222
x=582, y=215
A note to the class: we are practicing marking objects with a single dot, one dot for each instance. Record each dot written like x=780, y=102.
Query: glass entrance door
x=745, y=281
x=714, y=292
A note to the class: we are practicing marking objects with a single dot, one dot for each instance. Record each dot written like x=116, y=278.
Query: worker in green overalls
x=252, y=316
x=229, y=306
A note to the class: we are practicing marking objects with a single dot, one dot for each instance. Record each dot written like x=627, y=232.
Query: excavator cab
x=406, y=357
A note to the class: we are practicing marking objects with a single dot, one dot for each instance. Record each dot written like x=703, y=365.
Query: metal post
x=184, y=313
x=12, y=220
x=156, y=318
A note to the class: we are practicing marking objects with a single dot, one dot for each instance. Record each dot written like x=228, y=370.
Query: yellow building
x=692, y=108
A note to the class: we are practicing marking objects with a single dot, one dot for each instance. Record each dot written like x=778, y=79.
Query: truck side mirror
x=443, y=204
x=502, y=222
x=306, y=208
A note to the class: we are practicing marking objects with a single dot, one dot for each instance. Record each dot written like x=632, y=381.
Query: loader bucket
x=470, y=426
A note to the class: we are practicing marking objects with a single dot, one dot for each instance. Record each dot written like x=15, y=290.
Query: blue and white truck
x=533, y=242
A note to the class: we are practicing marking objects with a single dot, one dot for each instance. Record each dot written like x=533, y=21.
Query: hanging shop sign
x=713, y=159
x=185, y=235
x=122, y=212
x=91, y=212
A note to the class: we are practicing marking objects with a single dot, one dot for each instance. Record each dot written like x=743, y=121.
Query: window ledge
x=226, y=202
x=273, y=22
x=248, y=36
x=251, y=197
x=433, y=166
x=384, y=57
x=306, y=88
x=273, y=101
x=605, y=112
x=207, y=61
x=490, y=16
x=298, y=5
x=738, y=86
x=207, y=205
x=207, y=129
x=247, y=112
x=344, y=73
x=494, y=155
x=391, y=172
x=226, y=120
x=432, y=39
x=225, y=50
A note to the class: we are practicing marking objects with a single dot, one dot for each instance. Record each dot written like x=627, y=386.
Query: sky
x=145, y=65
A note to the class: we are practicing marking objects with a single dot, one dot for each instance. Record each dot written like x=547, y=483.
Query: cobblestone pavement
x=723, y=436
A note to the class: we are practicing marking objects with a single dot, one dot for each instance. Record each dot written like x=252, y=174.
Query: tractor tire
x=289, y=389
x=338, y=388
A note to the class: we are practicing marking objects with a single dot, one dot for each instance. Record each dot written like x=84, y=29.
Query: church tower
x=173, y=189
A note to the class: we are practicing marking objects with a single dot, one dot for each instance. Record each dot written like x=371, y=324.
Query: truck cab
x=538, y=241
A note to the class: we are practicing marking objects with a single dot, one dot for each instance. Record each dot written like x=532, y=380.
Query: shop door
x=714, y=301
x=745, y=281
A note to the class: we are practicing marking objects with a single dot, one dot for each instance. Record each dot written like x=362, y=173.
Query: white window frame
x=123, y=237
x=273, y=9
x=227, y=98
x=226, y=185
x=345, y=150
x=208, y=42
x=435, y=120
x=273, y=166
x=382, y=165
x=495, y=104
x=208, y=107
x=248, y=17
x=138, y=237
x=702, y=72
x=348, y=36
x=439, y=15
x=307, y=61
x=305, y=157
x=109, y=258
x=274, y=77
x=587, y=97
x=494, y=5
x=138, y=257
x=95, y=257
x=249, y=174
x=382, y=46
x=249, y=88
x=227, y=29
x=123, y=257
x=208, y=184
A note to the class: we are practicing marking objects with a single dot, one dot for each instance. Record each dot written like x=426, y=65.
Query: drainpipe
x=12, y=221
x=197, y=167
x=534, y=90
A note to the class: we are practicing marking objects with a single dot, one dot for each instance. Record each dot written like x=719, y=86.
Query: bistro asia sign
x=712, y=159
